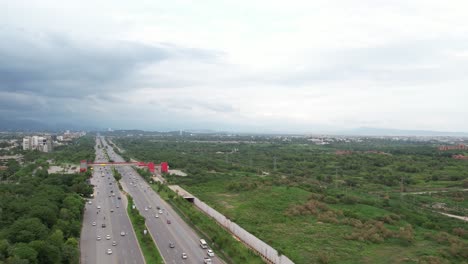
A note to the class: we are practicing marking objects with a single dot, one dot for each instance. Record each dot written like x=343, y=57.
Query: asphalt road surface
x=106, y=194
x=178, y=232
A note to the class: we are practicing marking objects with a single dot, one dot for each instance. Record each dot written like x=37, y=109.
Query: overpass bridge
x=163, y=167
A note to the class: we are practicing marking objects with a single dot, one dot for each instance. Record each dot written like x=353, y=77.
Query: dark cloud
x=57, y=77
x=55, y=65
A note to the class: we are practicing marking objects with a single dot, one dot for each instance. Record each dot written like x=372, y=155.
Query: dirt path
x=463, y=218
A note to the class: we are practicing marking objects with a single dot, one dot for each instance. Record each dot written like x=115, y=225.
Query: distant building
x=41, y=143
x=455, y=147
x=69, y=136
x=26, y=143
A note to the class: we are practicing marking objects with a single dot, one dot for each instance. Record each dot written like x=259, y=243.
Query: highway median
x=150, y=251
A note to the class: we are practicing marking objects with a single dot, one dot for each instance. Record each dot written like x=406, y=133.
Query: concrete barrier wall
x=252, y=241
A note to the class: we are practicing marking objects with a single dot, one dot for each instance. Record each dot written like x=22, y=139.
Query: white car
x=114, y=243
x=98, y=207
x=90, y=202
x=156, y=215
x=94, y=223
x=98, y=238
x=184, y=256
x=146, y=208
x=108, y=237
x=122, y=233
x=109, y=251
x=210, y=253
x=160, y=211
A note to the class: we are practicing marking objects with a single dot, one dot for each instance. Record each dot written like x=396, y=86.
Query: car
x=157, y=207
x=108, y=237
x=156, y=215
x=98, y=238
x=117, y=206
x=94, y=223
x=160, y=211
x=114, y=243
x=207, y=260
x=112, y=210
x=169, y=221
x=98, y=207
x=171, y=245
x=119, y=198
x=90, y=202
x=103, y=225
x=184, y=256
x=146, y=208
x=109, y=251
x=149, y=207
x=210, y=253
x=122, y=233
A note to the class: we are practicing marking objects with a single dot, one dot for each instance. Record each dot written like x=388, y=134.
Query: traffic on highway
x=107, y=235
x=177, y=242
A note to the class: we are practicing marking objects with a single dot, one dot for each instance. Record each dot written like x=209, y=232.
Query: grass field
x=314, y=238
x=316, y=206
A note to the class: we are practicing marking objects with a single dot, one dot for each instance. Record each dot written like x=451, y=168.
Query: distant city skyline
x=256, y=66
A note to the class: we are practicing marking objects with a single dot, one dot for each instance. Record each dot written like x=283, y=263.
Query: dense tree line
x=389, y=165
x=41, y=213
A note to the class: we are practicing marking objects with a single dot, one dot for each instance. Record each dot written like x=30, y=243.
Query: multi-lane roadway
x=107, y=235
x=164, y=224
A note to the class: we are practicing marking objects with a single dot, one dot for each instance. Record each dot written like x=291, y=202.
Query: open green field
x=319, y=207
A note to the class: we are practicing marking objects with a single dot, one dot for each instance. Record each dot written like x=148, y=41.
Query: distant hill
x=370, y=131
x=34, y=126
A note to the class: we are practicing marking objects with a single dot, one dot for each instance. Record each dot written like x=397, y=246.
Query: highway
x=147, y=201
x=106, y=196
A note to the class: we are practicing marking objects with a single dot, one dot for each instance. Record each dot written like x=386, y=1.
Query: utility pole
x=401, y=188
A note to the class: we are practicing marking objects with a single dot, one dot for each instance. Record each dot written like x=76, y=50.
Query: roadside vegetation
x=346, y=202
x=41, y=213
x=147, y=245
x=227, y=247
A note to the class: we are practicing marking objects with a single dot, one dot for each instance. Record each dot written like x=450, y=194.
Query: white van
x=203, y=243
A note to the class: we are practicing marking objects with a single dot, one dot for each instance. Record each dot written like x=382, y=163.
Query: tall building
x=41, y=143
x=26, y=143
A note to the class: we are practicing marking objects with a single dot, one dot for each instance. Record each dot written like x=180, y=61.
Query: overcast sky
x=257, y=65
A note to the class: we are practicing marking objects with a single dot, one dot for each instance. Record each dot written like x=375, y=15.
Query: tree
x=56, y=238
x=47, y=253
x=27, y=230
x=47, y=214
x=4, y=245
x=24, y=251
